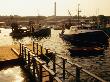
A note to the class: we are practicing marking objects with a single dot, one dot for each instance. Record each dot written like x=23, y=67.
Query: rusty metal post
x=64, y=60
x=78, y=73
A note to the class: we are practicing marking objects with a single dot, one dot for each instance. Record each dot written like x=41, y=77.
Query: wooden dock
x=10, y=54
x=38, y=68
x=6, y=53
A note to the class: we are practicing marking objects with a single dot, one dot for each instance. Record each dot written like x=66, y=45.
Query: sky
x=46, y=7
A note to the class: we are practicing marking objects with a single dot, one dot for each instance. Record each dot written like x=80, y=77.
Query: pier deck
x=6, y=53
x=39, y=69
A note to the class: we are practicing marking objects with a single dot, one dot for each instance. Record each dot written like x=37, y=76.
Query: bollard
x=78, y=73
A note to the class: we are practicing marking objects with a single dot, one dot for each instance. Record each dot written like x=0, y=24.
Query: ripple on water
x=99, y=65
x=13, y=74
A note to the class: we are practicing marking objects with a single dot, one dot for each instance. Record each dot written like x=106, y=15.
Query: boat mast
x=55, y=12
x=55, y=9
x=37, y=17
x=78, y=14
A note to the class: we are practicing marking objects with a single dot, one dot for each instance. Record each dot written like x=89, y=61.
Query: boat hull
x=38, y=33
x=42, y=32
x=96, y=38
x=86, y=51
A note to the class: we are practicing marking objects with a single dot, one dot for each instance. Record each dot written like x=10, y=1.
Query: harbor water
x=98, y=64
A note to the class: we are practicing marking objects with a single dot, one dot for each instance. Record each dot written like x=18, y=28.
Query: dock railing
x=67, y=71
x=37, y=67
x=59, y=68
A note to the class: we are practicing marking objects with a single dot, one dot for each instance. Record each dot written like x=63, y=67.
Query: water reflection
x=13, y=74
x=95, y=64
x=84, y=53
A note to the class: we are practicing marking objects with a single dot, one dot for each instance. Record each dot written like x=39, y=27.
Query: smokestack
x=55, y=9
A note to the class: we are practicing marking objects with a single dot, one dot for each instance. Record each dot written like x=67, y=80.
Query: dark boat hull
x=38, y=33
x=106, y=30
x=20, y=34
x=42, y=32
x=86, y=51
x=97, y=38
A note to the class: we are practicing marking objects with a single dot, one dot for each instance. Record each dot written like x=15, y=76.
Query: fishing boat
x=84, y=37
x=42, y=31
x=21, y=31
x=79, y=36
x=18, y=30
x=86, y=41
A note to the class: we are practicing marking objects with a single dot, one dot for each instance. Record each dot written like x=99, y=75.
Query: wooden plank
x=6, y=53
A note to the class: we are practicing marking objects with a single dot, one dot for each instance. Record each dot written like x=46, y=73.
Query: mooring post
x=47, y=54
x=37, y=71
x=64, y=62
x=40, y=75
x=20, y=49
x=23, y=50
x=54, y=61
x=37, y=49
x=41, y=50
x=34, y=64
x=29, y=62
x=46, y=51
x=33, y=47
x=78, y=73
